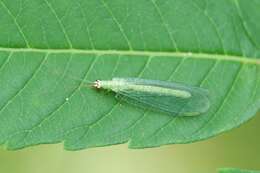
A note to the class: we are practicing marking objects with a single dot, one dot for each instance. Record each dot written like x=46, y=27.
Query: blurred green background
x=236, y=148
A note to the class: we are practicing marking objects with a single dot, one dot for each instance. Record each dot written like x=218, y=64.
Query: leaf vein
x=213, y=24
x=87, y=26
x=192, y=55
x=51, y=114
x=244, y=24
x=164, y=24
x=118, y=24
x=29, y=131
x=222, y=103
x=16, y=23
x=6, y=61
x=25, y=84
x=60, y=23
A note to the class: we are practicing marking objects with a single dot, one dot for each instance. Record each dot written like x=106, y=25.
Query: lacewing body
x=173, y=98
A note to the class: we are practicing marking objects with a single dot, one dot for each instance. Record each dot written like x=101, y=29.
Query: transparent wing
x=196, y=104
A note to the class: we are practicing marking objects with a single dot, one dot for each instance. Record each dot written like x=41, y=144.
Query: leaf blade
x=221, y=58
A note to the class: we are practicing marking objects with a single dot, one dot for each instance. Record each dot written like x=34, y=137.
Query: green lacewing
x=173, y=98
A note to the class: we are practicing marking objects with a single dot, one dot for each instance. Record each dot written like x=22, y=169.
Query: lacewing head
x=96, y=84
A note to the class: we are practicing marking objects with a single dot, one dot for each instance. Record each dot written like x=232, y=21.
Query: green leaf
x=45, y=44
x=235, y=170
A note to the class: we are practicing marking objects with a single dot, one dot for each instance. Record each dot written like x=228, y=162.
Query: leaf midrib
x=210, y=56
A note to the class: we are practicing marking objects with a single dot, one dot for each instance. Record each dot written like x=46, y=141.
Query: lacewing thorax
x=176, y=99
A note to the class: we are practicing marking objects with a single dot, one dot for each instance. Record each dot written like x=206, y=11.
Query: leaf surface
x=46, y=44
